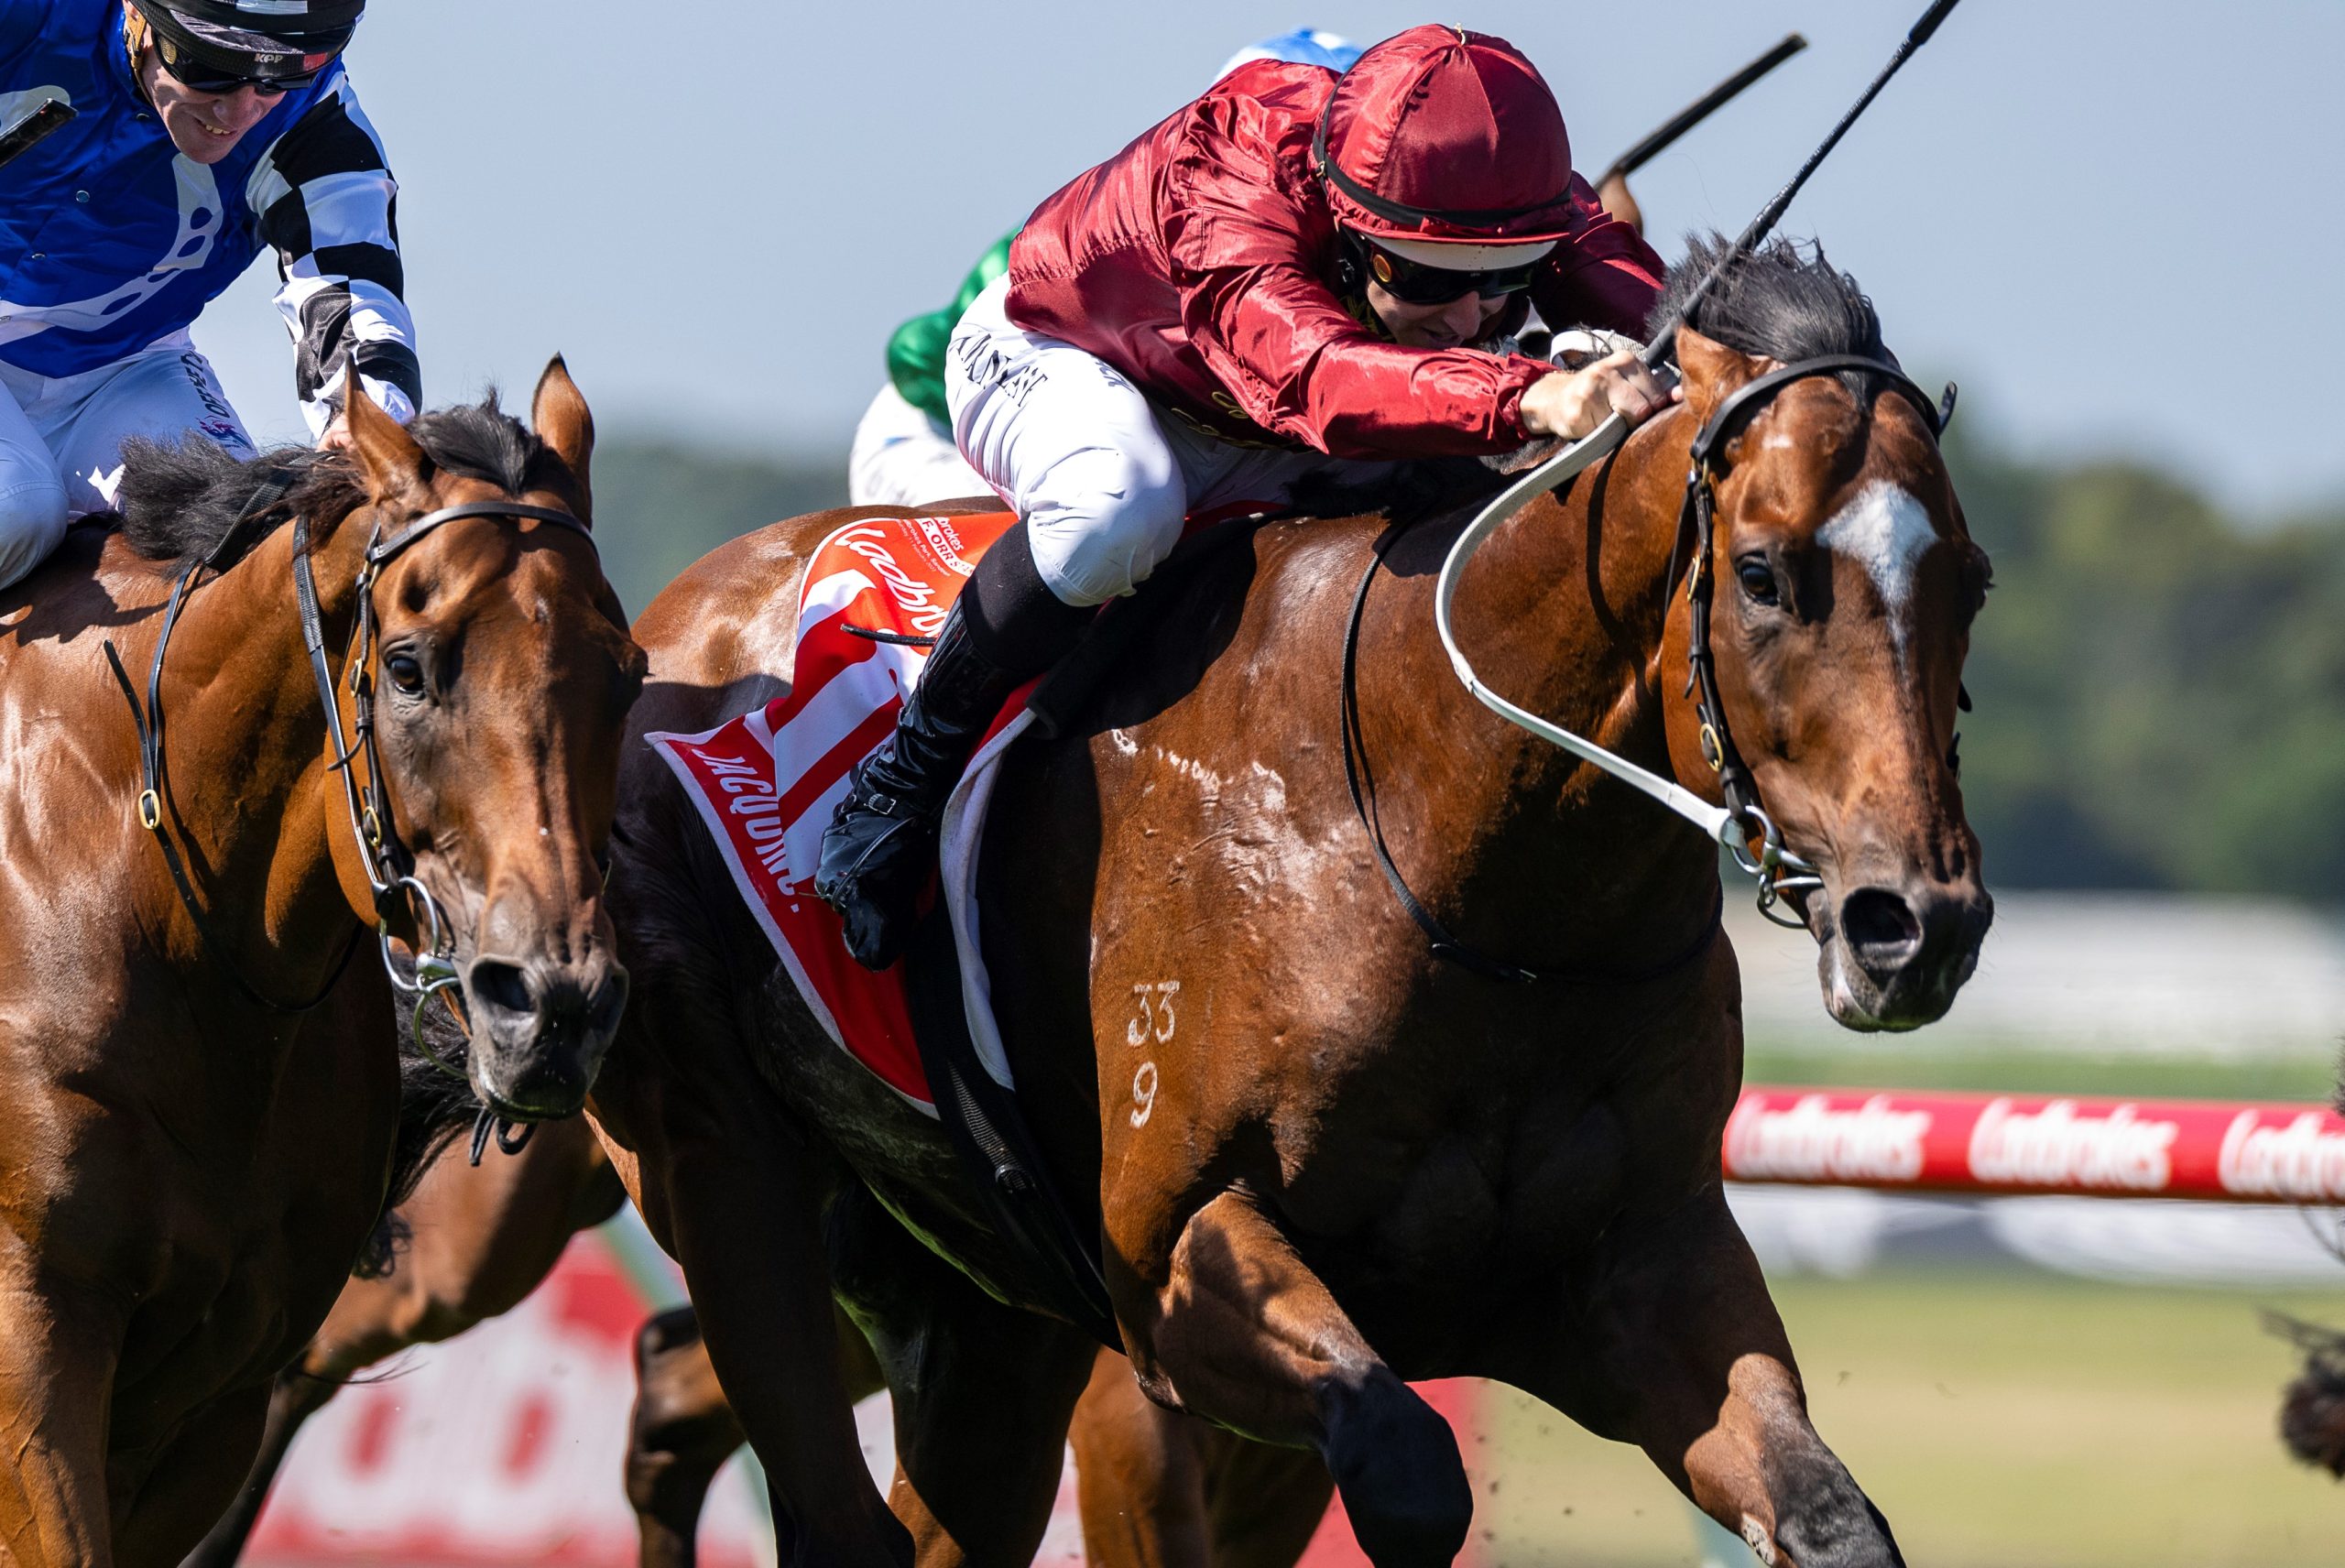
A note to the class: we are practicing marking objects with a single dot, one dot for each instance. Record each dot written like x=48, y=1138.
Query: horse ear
x=386, y=454
x=1713, y=371
x=558, y=412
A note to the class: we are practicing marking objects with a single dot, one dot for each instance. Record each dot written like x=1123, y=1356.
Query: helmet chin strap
x=134, y=41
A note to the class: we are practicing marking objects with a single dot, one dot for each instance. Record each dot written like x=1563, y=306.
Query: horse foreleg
x=293, y=1399
x=1246, y=1336
x=983, y=1394
x=1160, y=1489
x=732, y=1191
x=1690, y=1362
x=57, y=1368
x=1263, y=1503
x=680, y=1433
x=1140, y=1476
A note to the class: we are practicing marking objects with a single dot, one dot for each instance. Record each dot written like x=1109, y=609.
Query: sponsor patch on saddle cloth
x=767, y=782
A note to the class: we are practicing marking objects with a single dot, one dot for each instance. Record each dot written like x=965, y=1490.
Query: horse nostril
x=500, y=987
x=1881, y=929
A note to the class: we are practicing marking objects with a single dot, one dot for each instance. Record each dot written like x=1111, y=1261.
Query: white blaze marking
x=1886, y=532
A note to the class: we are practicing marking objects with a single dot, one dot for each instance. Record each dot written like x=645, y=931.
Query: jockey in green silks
x=903, y=453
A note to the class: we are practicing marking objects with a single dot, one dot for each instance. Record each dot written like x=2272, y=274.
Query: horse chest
x=1459, y=1203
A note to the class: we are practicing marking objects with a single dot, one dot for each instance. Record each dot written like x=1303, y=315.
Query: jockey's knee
x=1105, y=519
x=32, y=522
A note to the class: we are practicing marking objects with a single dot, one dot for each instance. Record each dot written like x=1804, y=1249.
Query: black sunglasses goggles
x=1414, y=283
x=200, y=76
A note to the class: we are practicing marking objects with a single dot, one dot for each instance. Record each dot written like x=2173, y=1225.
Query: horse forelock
x=179, y=499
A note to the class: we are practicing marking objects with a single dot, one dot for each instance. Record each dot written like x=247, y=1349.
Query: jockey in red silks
x=1297, y=274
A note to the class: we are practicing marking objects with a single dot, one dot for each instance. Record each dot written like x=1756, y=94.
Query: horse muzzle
x=539, y=1029
x=1893, y=956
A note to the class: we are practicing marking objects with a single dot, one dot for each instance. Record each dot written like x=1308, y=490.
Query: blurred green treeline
x=2161, y=692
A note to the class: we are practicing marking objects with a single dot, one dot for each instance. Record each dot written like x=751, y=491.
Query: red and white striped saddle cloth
x=766, y=782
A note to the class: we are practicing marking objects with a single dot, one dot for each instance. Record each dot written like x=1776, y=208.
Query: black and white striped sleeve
x=328, y=205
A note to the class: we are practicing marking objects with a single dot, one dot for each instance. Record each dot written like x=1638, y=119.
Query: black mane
x=1779, y=303
x=179, y=499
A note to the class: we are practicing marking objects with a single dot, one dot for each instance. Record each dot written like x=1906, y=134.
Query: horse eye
x=1758, y=578
x=406, y=672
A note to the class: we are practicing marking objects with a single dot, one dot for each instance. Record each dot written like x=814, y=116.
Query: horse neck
x=1564, y=611
x=249, y=791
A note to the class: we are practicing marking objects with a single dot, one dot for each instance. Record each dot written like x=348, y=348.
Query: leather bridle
x=1777, y=869
x=389, y=863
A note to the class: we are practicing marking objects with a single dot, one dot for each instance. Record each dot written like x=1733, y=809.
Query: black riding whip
x=1711, y=103
x=1664, y=342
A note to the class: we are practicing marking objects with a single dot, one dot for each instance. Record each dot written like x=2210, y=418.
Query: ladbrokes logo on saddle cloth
x=766, y=783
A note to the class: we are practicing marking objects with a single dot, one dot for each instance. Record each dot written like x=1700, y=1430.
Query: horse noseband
x=1779, y=871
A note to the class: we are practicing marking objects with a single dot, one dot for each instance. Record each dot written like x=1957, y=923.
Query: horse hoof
x=1396, y=1463
x=1824, y=1519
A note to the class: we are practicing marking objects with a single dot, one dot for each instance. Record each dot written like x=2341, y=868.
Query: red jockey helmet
x=1447, y=137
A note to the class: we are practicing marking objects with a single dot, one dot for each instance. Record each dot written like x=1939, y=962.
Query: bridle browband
x=1741, y=819
x=390, y=865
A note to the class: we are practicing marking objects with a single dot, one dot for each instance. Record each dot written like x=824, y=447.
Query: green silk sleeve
x=916, y=351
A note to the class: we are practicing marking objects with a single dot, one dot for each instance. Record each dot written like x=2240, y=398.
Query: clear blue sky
x=2117, y=224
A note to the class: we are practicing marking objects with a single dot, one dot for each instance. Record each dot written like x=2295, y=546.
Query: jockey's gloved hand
x=1571, y=403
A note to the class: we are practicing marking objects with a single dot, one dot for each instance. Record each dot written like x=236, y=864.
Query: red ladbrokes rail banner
x=2030, y=1143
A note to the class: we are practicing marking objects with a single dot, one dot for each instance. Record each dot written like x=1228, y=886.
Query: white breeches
x=904, y=458
x=61, y=438
x=1103, y=483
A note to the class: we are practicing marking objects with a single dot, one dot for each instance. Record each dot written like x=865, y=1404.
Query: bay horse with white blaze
x=194, y=1158
x=1335, y=1161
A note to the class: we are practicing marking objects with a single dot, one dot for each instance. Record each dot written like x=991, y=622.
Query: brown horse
x=192, y=1162
x=1336, y=1161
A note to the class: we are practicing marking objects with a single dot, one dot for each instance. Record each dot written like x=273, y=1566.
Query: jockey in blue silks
x=205, y=130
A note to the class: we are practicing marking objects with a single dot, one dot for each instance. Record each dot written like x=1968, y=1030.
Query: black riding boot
x=881, y=844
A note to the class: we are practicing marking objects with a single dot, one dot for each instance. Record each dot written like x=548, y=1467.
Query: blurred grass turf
x=1896, y=1064
x=2000, y=1421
